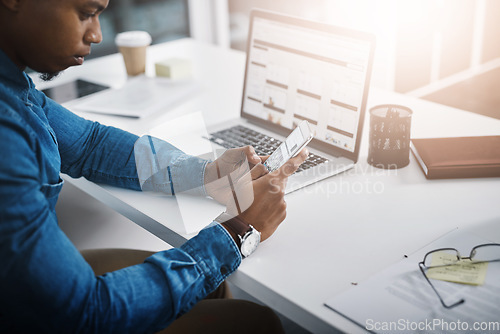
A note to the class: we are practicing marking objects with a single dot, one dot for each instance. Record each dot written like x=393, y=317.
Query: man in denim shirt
x=45, y=283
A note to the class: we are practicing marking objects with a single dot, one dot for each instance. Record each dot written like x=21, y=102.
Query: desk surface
x=338, y=231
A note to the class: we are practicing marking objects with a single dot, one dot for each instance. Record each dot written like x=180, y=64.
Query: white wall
x=209, y=21
x=444, y=22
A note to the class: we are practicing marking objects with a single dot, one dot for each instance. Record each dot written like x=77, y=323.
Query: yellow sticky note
x=464, y=271
x=174, y=68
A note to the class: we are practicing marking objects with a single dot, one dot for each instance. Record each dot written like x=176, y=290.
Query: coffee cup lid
x=133, y=38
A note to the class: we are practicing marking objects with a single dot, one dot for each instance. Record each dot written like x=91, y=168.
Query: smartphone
x=73, y=90
x=293, y=144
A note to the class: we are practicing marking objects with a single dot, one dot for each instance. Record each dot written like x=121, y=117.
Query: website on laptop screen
x=296, y=73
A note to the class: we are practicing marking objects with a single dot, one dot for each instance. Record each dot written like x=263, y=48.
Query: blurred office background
x=447, y=51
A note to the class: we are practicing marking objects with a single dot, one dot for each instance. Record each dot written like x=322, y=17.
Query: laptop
x=301, y=70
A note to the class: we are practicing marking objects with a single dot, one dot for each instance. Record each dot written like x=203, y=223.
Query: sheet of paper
x=139, y=97
x=465, y=271
x=399, y=299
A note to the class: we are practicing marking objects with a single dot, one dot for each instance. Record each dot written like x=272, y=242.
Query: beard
x=46, y=76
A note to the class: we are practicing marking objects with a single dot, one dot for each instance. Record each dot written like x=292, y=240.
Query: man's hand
x=229, y=169
x=268, y=208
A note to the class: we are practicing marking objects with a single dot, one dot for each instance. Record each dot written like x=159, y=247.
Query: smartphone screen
x=73, y=90
x=299, y=138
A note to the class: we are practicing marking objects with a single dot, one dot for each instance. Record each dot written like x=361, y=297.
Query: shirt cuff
x=188, y=175
x=163, y=167
x=216, y=253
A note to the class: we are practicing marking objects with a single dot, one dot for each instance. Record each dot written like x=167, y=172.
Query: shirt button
x=223, y=270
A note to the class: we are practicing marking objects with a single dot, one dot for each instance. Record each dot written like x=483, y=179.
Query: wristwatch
x=249, y=237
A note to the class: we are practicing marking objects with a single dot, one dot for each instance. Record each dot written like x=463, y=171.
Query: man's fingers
x=293, y=164
x=252, y=157
x=258, y=171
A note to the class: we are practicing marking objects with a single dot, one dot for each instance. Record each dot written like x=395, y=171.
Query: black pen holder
x=389, y=136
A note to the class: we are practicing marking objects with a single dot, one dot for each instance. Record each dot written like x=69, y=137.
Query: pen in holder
x=389, y=136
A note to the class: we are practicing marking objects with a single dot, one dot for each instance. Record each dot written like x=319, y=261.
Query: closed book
x=458, y=157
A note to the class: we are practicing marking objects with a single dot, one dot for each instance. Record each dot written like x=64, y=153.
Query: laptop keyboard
x=239, y=136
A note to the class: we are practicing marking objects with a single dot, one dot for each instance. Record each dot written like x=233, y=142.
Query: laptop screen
x=300, y=70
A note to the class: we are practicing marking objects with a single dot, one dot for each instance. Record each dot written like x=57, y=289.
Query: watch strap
x=245, y=235
x=238, y=226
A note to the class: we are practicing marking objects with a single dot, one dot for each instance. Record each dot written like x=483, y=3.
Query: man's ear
x=12, y=5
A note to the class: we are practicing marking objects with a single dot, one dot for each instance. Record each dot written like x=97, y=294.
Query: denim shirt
x=45, y=284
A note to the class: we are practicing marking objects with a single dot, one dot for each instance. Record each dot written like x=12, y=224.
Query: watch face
x=249, y=243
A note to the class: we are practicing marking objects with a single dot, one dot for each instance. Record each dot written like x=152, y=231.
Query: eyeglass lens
x=449, y=256
x=487, y=252
x=441, y=257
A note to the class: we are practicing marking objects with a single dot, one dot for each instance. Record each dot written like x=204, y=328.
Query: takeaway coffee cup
x=132, y=46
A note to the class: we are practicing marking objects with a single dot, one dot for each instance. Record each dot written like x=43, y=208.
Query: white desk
x=337, y=232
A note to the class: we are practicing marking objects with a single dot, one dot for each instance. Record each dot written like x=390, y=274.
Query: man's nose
x=94, y=34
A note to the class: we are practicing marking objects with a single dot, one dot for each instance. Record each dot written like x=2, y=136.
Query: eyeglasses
x=478, y=254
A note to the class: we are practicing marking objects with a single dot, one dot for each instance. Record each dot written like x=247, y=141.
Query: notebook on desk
x=458, y=157
x=300, y=70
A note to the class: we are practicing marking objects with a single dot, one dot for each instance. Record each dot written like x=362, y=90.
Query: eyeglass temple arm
x=421, y=265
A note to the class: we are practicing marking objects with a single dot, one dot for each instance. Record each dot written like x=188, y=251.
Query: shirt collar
x=13, y=77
